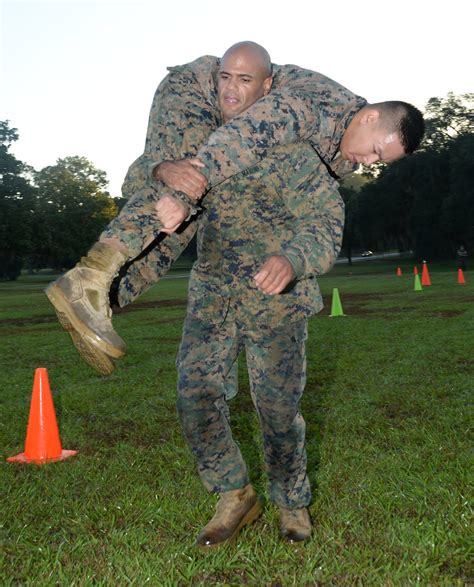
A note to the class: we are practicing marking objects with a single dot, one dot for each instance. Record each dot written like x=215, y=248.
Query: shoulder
x=206, y=62
x=200, y=75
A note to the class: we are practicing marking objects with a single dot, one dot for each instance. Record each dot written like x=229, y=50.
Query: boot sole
x=94, y=357
x=70, y=322
x=249, y=517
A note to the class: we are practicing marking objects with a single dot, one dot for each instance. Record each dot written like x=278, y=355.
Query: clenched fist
x=171, y=212
x=274, y=275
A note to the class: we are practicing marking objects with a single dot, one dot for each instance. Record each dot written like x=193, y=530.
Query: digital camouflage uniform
x=184, y=121
x=285, y=205
x=293, y=203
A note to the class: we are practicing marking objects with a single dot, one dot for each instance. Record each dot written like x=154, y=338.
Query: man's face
x=366, y=141
x=241, y=82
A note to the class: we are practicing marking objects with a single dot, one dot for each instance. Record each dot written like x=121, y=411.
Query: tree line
x=48, y=218
x=424, y=202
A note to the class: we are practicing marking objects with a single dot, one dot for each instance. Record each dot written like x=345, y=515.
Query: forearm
x=318, y=212
x=314, y=249
x=277, y=119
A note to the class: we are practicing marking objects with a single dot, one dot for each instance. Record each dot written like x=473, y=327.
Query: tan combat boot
x=81, y=300
x=91, y=354
x=234, y=510
x=295, y=525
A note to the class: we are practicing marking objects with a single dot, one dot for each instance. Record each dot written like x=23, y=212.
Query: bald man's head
x=254, y=52
x=245, y=75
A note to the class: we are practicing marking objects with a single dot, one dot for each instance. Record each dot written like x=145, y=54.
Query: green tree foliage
x=349, y=189
x=51, y=217
x=447, y=119
x=17, y=207
x=74, y=208
x=458, y=207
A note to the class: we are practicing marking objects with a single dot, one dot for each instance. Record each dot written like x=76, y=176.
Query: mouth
x=231, y=100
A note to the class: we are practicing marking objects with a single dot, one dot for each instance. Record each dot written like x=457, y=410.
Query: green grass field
x=388, y=436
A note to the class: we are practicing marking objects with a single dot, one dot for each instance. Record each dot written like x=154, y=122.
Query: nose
x=369, y=159
x=231, y=84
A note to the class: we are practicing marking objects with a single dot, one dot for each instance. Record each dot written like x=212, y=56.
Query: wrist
x=296, y=259
x=157, y=171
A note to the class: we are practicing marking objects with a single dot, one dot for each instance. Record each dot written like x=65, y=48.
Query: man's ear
x=369, y=116
x=267, y=85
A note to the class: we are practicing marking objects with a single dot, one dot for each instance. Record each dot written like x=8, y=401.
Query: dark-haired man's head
x=385, y=131
x=245, y=75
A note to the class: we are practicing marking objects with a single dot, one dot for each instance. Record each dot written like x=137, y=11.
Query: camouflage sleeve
x=280, y=118
x=182, y=116
x=313, y=198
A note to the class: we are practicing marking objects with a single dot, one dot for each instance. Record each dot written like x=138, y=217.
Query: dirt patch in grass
x=468, y=299
x=162, y=339
x=387, y=313
x=124, y=431
x=398, y=411
x=23, y=331
x=42, y=319
x=18, y=324
x=393, y=313
x=446, y=313
x=353, y=305
x=356, y=297
x=464, y=365
x=350, y=300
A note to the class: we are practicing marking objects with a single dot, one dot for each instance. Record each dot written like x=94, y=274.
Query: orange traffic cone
x=42, y=437
x=415, y=270
x=399, y=271
x=425, y=276
x=461, y=279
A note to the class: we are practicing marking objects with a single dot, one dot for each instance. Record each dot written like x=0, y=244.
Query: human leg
x=134, y=229
x=148, y=268
x=206, y=356
x=81, y=296
x=277, y=370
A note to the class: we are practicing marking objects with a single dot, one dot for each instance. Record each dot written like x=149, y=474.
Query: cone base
x=22, y=458
x=336, y=315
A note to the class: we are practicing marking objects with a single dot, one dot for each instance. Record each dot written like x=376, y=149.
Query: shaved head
x=254, y=52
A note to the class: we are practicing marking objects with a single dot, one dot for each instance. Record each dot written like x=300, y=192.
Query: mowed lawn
x=387, y=406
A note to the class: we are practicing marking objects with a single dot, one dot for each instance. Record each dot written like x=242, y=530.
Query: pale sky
x=78, y=77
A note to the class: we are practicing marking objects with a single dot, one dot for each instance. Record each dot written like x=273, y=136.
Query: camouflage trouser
x=277, y=371
x=148, y=268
